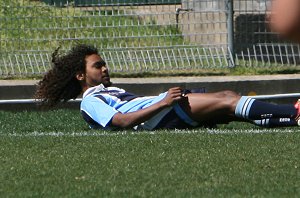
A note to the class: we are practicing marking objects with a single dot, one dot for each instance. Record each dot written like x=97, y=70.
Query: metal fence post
x=230, y=30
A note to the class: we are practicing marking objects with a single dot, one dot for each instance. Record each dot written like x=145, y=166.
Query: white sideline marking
x=123, y=133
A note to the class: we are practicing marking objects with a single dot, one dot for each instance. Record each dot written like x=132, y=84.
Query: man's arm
x=134, y=118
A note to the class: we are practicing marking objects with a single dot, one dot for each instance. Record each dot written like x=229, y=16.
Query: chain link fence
x=137, y=36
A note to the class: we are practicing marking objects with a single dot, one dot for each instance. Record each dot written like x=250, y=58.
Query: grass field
x=44, y=28
x=55, y=154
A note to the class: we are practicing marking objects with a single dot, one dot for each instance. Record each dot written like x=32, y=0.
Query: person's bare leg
x=203, y=107
x=226, y=106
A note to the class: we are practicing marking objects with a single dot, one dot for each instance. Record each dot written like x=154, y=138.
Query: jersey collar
x=91, y=90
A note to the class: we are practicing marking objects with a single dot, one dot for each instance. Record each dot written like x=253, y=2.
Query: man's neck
x=86, y=86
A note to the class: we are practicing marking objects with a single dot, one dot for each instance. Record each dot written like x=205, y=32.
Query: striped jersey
x=99, y=104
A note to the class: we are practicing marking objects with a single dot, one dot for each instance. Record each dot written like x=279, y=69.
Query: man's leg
x=229, y=106
x=276, y=122
x=252, y=109
x=267, y=114
x=211, y=107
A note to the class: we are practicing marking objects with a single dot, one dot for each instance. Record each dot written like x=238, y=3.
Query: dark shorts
x=178, y=119
x=173, y=121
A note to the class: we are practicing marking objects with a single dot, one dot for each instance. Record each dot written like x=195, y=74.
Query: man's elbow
x=122, y=122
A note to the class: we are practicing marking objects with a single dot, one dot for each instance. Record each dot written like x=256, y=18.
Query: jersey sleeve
x=98, y=110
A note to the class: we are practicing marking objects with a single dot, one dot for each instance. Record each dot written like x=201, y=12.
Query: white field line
x=133, y=133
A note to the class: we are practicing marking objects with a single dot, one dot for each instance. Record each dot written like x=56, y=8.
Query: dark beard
x=107, y=84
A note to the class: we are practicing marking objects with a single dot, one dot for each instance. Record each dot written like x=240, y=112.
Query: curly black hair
x=60, y=84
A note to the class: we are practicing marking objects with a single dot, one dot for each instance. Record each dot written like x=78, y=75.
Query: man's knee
x=229, y=99
x=228, y=94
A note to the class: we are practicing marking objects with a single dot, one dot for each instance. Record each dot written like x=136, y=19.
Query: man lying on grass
x=82, y=70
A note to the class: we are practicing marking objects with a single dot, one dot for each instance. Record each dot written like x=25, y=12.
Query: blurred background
x=136, y=36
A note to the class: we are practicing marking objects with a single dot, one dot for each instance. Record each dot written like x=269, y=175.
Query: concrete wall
x=244, y=85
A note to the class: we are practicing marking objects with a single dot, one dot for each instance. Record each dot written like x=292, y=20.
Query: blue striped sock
x=252, y=109
x=276, y=122
x=243, y=107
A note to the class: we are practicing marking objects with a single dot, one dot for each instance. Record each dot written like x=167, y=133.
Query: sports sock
x=253, y=109
x=276, y=122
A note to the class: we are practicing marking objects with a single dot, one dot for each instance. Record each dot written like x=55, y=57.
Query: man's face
x=96, y=71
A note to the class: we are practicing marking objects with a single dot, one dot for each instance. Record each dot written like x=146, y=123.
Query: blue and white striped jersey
x=100, y=104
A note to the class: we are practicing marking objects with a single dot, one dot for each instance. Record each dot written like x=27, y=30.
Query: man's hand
x=174, y=95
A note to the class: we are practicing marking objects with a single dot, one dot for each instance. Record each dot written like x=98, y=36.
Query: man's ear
x=80, y=76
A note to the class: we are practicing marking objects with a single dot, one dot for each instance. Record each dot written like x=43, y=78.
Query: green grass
x=35, y=28
x=55, y=154
x=28, y=27
x=34, y=25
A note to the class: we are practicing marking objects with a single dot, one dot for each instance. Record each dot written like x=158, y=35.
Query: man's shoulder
x=100, y=89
